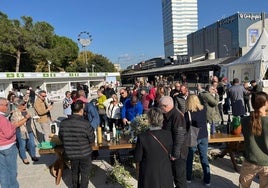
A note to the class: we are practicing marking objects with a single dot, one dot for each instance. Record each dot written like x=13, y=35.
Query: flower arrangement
x=138, y=125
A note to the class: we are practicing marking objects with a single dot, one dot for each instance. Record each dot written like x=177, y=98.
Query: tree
x=101, y=63
x=34, y=42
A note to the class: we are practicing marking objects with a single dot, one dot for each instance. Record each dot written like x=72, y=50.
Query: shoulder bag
x=164, y=148
x=192, y=134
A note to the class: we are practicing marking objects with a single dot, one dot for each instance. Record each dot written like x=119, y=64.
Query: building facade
x=180, y=18
x=231, y=36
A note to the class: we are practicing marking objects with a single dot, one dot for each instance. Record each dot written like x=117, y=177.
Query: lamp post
x=84, y=38
x=49, y=63
x=93, y=68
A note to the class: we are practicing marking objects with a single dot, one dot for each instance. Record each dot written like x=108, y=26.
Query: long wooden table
x=233, y=144
x=57, y=167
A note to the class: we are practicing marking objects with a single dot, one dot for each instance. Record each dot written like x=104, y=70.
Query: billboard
x=253, y=35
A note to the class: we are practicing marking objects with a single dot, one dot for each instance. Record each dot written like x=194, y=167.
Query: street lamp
x=93, y=68
x=49, y=63
x=84, y=38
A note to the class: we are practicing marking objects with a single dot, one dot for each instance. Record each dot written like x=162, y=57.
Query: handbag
x=101, y=111
x=192, y=134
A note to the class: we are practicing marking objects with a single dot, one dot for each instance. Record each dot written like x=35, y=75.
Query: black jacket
x=76, y=135
x=175, y=122
x=180, y=102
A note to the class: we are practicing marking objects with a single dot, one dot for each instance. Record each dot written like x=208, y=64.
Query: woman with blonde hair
x=113, y=111
x=197, y=111
x=255, y=132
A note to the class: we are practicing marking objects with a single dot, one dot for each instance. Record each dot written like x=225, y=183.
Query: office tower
x=179, y=19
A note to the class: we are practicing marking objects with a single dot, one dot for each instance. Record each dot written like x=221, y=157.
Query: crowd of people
x=162, y=155
x=167, y=109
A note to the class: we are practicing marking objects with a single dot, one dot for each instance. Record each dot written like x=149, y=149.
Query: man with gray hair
x=174, y=121
x=236, y=94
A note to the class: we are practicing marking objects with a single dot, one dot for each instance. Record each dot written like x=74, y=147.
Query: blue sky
x=124, y=31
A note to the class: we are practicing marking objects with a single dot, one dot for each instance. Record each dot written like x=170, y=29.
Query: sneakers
x=188, y=181
x=207, y=184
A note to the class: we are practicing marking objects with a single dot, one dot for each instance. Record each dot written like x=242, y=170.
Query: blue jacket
x=130, y=111
x=92, y=115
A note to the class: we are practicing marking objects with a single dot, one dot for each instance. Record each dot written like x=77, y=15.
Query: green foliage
x=100, y=63
x=118, y=174
x=138, y=125
x=33, y=43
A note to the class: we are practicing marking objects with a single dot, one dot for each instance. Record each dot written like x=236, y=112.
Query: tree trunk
x=18, y=61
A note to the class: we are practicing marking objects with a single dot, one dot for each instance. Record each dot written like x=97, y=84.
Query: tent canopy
x=256, y=57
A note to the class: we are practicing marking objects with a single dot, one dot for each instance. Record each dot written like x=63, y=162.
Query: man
x=180, y=99
x=210, y=99
x=32, y=96
x=236, y=93
x=43, y=111
x=174, y=121
x=132, y=108
x=108, y=90
x=145, y=100
x=76, y=135
x=255, y=87
x=8, y=148
x=176, y=90
x=92, y=114
x=123, y=95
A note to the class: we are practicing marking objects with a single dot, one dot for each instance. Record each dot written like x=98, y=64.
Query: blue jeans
x=203, y=149
x=8, y=167
x=23, y=143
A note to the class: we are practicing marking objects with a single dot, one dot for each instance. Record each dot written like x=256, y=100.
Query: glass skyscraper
x=180, y=18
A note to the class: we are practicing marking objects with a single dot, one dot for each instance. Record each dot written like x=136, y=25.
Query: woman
x=160, y=92
x=198, y=117
x=67, y=101
x=113, y=111
x=255, y=131
x=74, y=95
x=152, y=158
x=101, y=108
x=24, y=133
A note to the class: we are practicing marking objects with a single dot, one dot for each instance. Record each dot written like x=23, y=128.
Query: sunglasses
x=43, y=95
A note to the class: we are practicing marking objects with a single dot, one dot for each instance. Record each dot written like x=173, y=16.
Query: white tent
x=253, y=65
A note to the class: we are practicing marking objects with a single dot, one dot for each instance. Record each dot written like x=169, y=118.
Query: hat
x=252, y=81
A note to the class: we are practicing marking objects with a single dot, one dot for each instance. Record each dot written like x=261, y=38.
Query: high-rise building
x=180, y=18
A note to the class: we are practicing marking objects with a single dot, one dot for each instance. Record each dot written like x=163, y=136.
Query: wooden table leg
x=59, y=173
x=57, y=167
x=230, y=148
x=233, y=161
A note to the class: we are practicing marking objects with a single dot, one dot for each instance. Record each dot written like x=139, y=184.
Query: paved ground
x=37, y=175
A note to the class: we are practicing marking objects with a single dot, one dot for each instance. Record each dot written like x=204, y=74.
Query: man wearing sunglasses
x=42, y=109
